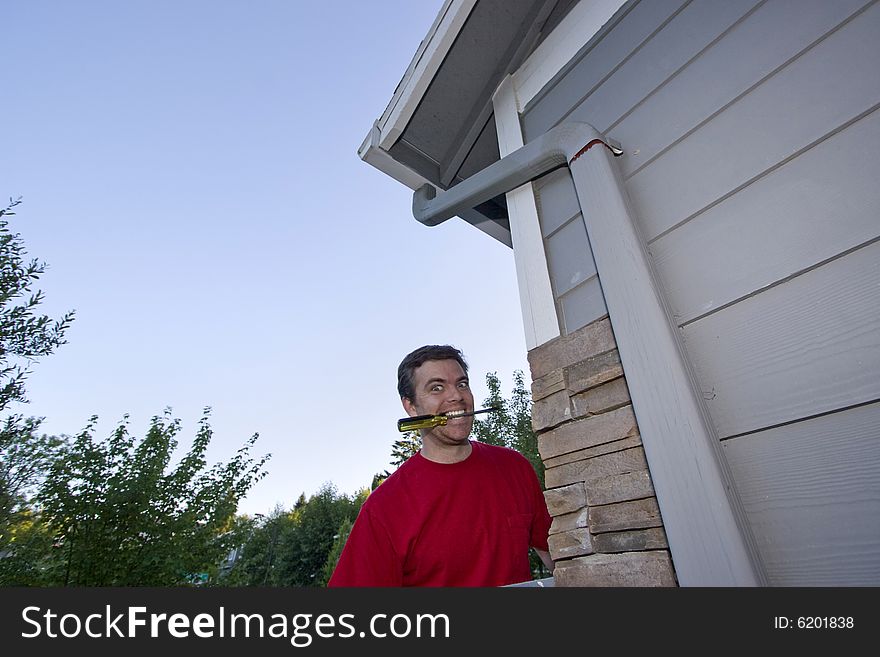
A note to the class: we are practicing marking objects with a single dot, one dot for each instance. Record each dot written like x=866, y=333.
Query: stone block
x=610, y=463
x=565, y=499
x=588, y=432
x=615, y=463
x=551, y=411
x=636, y=514
x=593, y=371
x=600, y=399
x=634, y=569
x=586, y=342
x=590, y=452
x=548, y=384
x=575, y=520
x=619, y=488
x=635, y=540
x=574, y=543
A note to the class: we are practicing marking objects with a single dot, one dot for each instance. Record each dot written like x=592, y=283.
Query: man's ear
x=409, y=407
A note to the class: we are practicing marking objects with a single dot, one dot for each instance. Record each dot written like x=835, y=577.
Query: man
x=458, y=512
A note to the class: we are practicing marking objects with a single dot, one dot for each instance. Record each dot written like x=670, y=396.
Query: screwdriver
x=429, y=421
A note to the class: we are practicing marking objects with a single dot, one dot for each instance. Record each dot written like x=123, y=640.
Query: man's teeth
x=455, y=413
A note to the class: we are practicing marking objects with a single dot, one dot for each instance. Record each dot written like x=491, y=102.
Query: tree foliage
x=404, y=447
x=298, y=547
x=25, y=335
x=25, y=456
x=511, y=425
x=93, y=512
x=339, y=540
x=257, y=552
x=119, y=516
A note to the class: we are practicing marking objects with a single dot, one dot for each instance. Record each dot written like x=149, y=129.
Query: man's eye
x=436, y=388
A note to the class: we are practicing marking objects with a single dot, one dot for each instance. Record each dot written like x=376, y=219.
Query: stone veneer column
x=606, y=529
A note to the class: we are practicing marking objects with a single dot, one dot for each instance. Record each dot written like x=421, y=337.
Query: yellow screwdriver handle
x=421, y=422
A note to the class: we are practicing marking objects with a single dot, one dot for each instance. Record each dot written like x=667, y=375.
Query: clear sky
x=189, y=172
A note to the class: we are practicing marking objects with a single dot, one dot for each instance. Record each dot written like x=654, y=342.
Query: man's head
x=414, y=360
x=433, y=380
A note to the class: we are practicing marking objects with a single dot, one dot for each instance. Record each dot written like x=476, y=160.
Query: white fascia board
x=410, y=90
x=422, y=69
x=581, y=24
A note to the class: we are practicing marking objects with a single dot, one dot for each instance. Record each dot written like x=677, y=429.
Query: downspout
x=709, y=537
x=549, y=151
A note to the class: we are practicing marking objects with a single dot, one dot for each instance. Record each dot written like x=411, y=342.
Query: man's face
x=442, y=386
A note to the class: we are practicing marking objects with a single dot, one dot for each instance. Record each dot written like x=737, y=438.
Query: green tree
x=25, y=561
x=119, y=517
x=494, y=428
x=404, y=447
x=519, y=408
x=401, y=449
x=258, y=550
x=306, y=544
x=25, y=337
x=24, y=457
x=339, y=540
x=511, y=425
x=293, y=548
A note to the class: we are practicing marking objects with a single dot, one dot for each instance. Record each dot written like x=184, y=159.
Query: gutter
x=708, y=534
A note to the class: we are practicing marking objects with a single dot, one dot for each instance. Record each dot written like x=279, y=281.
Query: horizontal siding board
x=829, y=85
x=569, y=256
x=724, y=71
x=556, y=199
x=811, y=491
x=817, y=206
x=582, y=305
x=593, y=64
x=807, y=346
x=671, y=48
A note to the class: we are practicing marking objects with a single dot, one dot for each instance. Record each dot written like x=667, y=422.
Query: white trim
x=422, y=69
x=409, y=92
x=584, y=20
x=540, y=321
x=380, y=159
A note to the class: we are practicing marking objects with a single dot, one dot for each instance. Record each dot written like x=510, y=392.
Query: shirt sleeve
x=368, y=558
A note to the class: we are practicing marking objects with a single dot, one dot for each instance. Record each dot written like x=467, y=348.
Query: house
x=690, y=190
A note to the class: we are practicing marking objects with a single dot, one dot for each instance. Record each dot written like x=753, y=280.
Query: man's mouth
x=456, y=413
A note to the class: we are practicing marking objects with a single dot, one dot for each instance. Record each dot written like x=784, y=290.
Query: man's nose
x=455, y=394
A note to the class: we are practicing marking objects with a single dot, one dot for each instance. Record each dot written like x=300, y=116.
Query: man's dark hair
x=407, y=368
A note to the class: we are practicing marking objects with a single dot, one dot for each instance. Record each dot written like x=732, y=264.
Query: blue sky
x=189, y=172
